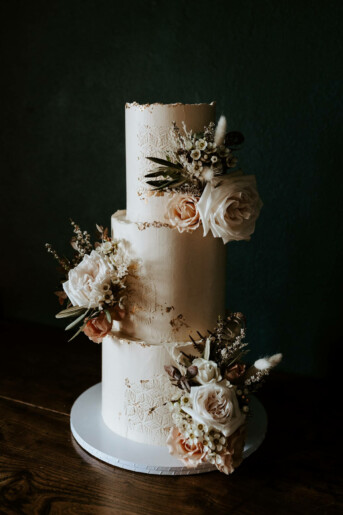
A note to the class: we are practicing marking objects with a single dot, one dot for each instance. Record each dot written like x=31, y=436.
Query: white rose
x=85, y=285
x=229, y=206
x=216, y=406
x=208, y=371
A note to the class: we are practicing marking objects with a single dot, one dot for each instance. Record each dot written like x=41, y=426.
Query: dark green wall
x=68, y=67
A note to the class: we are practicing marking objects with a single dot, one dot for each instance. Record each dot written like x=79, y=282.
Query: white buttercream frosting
x=136, y=388
x=178, y=287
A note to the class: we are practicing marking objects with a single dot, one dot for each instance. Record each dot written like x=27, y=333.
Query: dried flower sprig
x=226, y=347
x=179, y=380
x=63, y=261
x=81, y=243
x=198, y=158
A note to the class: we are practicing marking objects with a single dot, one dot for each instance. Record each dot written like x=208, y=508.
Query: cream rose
x=85, y=285
x=216, y=406
x=229, y=207
x=182, y=212
x=208, y=371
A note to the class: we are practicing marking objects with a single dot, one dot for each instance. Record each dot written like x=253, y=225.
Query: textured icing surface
x=178, y=287
x=135, y=388
x=147, y=131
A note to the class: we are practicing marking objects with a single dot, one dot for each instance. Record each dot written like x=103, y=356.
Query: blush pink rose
x=189, y=454
x=215, y=405
x=182, y=212
x=232, y=456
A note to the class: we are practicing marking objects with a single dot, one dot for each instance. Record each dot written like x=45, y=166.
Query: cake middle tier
x=178, y=286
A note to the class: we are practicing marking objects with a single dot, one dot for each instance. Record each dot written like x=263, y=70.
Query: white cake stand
x=95, y=437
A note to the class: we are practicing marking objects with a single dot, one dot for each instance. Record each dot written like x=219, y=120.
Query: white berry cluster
x=213, y=442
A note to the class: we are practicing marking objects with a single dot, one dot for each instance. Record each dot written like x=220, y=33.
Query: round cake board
x=91, y=433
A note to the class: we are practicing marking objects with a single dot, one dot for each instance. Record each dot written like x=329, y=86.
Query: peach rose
x=182, y=212
x=232, y=456
x=189, y=454
x=97, y=328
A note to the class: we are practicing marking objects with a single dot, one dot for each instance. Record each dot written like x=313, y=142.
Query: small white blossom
x=195, y=154
x=195, y=168
x=185, y=400
x=105, y=247
x=122, y=270
x=201, y=144
x=188, y=144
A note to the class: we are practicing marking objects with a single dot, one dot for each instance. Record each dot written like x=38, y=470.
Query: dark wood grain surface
x=43, y=470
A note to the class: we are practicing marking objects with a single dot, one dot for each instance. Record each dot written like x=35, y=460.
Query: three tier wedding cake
x=154, y=293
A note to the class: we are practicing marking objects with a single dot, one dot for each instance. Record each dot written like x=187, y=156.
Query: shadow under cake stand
x=91, y=433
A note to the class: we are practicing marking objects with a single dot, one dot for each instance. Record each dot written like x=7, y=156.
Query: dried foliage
x=182, y=381
x=195, y=159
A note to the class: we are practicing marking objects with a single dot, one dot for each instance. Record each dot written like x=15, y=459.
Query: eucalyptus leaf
x=164, y=172
x=75, y=335
x=162, y=183
x=156, y=173
x=94, y=314
x=108, y=315
x=75, y=322
x=73, y=311
x=164, y=162
x=179, y=183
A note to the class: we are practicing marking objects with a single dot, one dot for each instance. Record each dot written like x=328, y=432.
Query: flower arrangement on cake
x=210, y=413
x=200, y=172
x=93, y=283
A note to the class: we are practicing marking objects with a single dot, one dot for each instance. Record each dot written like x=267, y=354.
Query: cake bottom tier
x=136, y=388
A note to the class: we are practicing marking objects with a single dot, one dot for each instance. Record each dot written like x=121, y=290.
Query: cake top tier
x=148, y=133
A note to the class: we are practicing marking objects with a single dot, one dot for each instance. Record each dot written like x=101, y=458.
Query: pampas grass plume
x=219, y=135
x=266, y=363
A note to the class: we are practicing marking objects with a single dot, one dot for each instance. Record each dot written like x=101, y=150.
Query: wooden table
x=43, y=470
